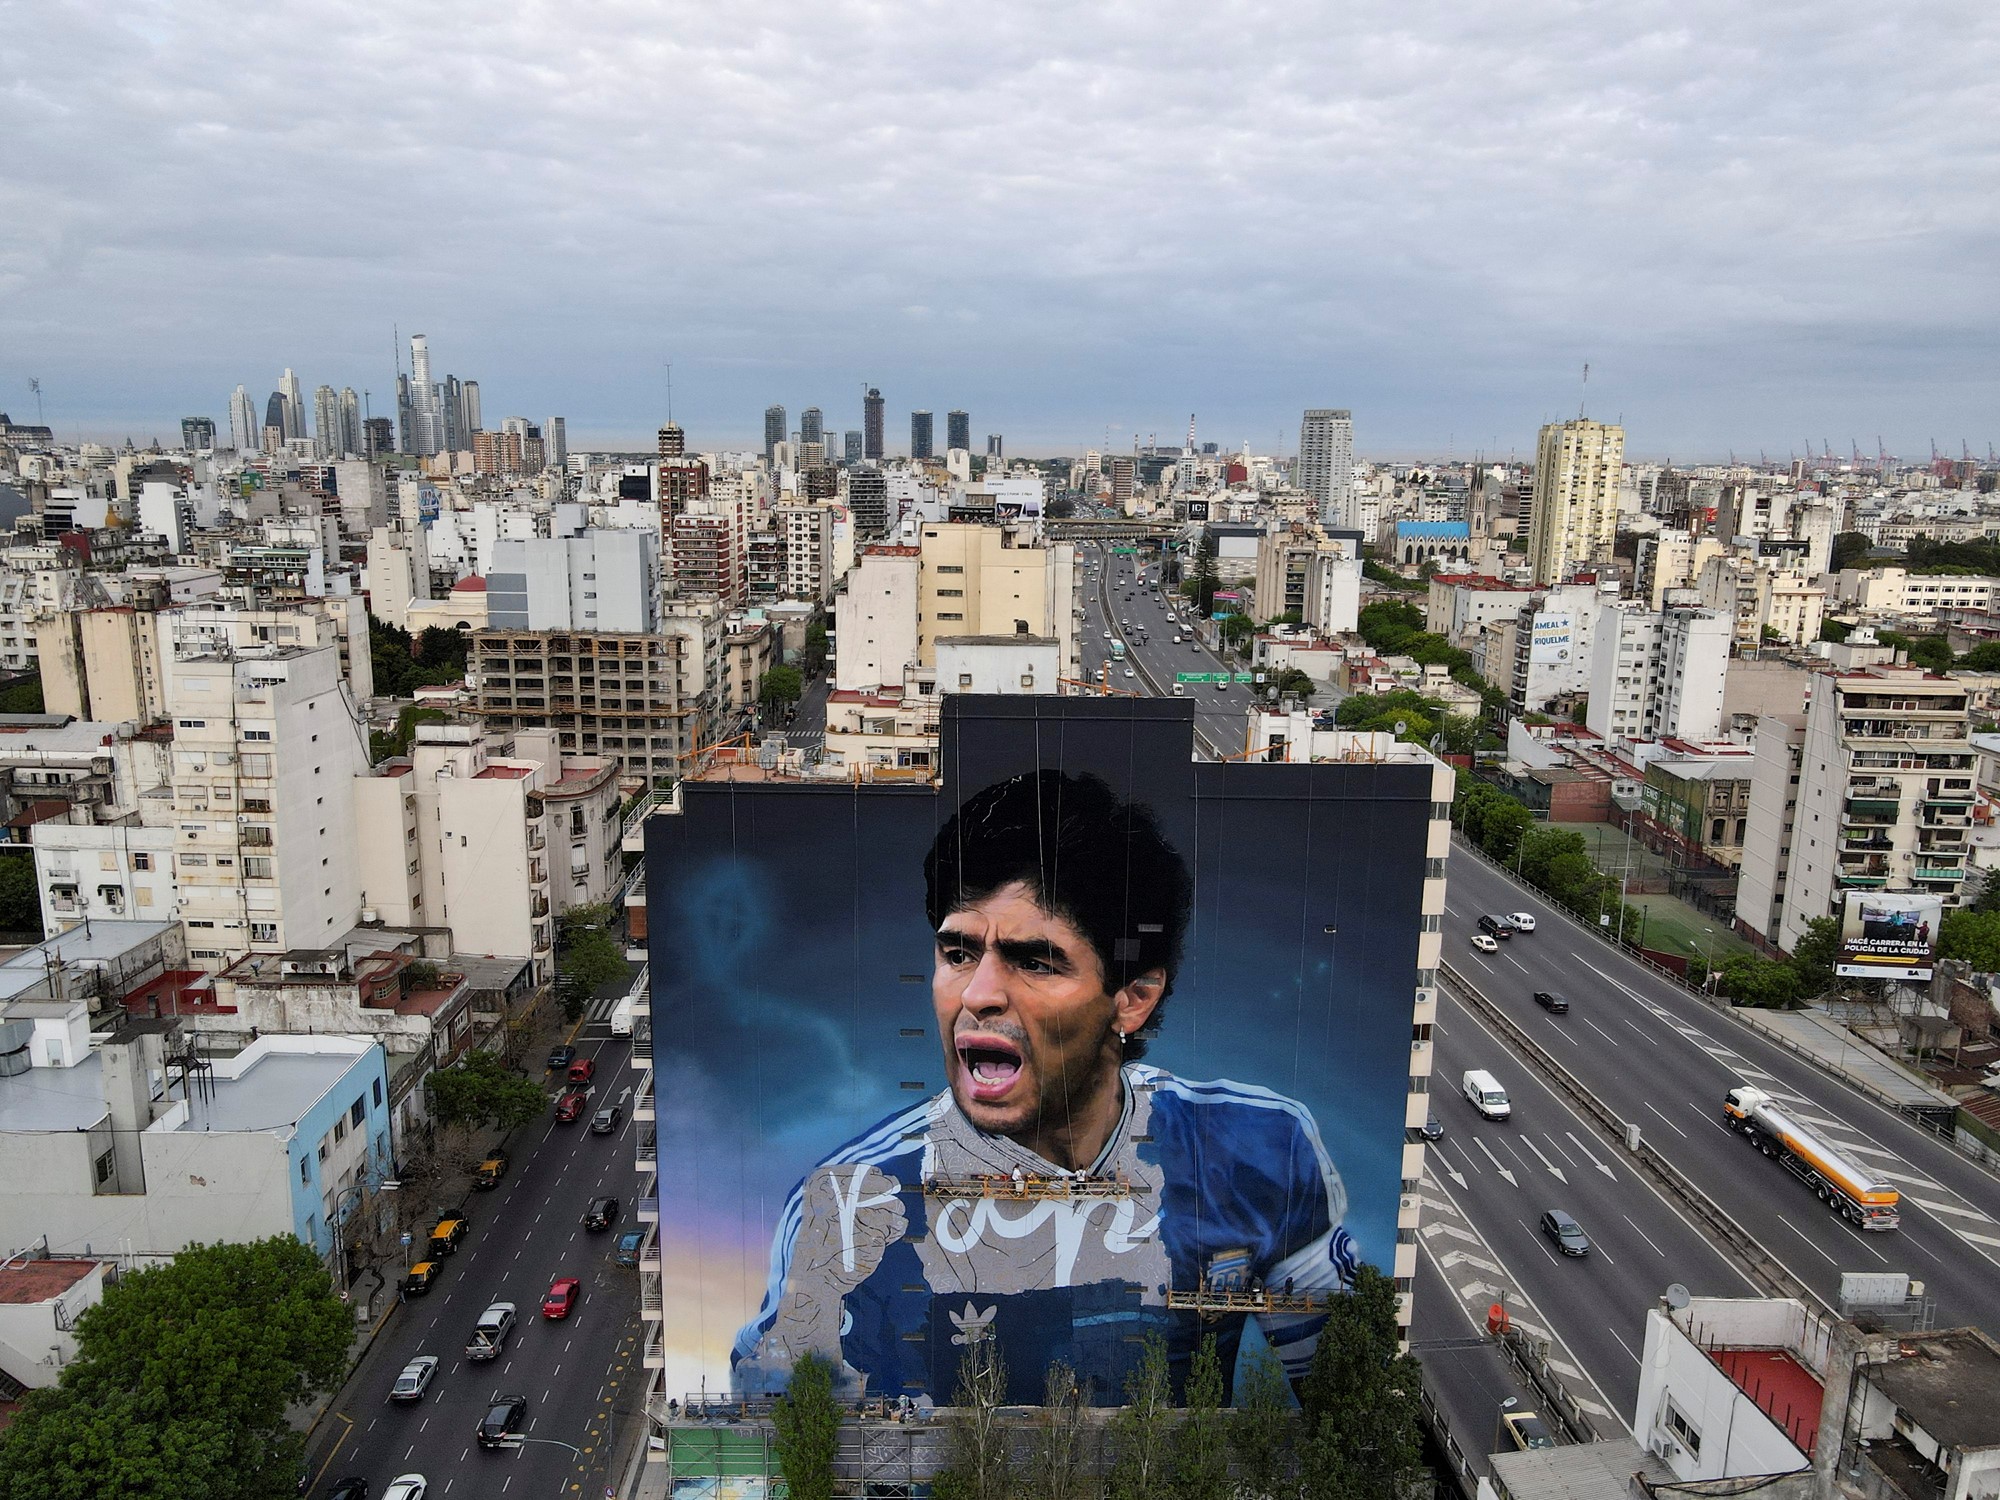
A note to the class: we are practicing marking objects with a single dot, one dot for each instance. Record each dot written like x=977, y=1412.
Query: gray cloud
x=1759, y=224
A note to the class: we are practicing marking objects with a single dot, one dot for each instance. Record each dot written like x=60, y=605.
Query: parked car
x=503, y=1420
x=444, y=1239
x=419, y=1278
x=561, y=1297
x=606, y=1120
x=406, y=1487
x=626, y=1250
x=415, y=1379
x=583, y=1070
x=1552, y=1002
x=1484, y=943
x=1523, y=921
x=1498, y=927
x=569, y=1108
x=602, y=1213
x=1566, y=1232
x=560, y=1058
x=490, y=1171
x=352, y=1487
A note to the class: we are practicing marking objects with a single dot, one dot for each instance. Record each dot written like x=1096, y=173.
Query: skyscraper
x=469, y=407
x=406, y=413
x=197, y=433
x=245, y=431
x=555, y=433
x=920, y=434
x=868, y=500
x=957, y=430
x=871, y=425
x=450, y=406
x=352, y=440
x=812, y=426
x=326, y=422
x=851, y=446
x=295, y=405
x=275, y=414
x=774, y=431
x=1574, y=518
x=995, y=446
x=1326, y=462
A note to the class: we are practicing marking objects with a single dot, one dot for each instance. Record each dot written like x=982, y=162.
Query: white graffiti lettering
x=851, y=1203
x=1072, y=1222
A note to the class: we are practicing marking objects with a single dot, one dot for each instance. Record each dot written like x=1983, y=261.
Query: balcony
x=654, y=1356
x=1939, y=872
x=539, y=907
x=648, y=1157
x=644, y=1101
x=648, y=1210
x=537, y=840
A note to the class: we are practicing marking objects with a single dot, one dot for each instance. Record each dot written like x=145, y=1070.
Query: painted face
x=1030, y=1032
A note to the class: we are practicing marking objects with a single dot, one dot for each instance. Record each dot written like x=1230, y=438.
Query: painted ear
x=1135, y=1003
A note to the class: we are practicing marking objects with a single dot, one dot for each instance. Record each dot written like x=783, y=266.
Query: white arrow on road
x=1554, y=1170
x=1512, y=1180
x=1462, y=1258
x=1437, y=1153
x=1472, y=1291
x=1593, y=1158
x=624, y=1094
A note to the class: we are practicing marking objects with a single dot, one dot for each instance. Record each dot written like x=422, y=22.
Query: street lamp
x=1708, y=959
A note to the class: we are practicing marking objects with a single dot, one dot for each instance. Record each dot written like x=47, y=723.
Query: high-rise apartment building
x=996, y=447
x=1326, y=462
x=774, y=432
x=277, y=414
x=850, y=448
x=976, y=580
x=353, y=442
x=868, y=500
x=920, y=434
x=812, y=426
x=806, y=532
x=326, y=422
x=871, y=425
x=378, y=435
x=470, y=419
x=1658, y=674
x=295, y=405
x=555, y=442
x=1124, y=474
x=197, y=434
x=600, y=581
x=1574, y=516
x=1884, y=800
x=245, y=431
x=957, y=431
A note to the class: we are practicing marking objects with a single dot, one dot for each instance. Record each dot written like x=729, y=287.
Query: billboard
x=1888, y=935
x=1089, y=1042
x=1197, y=510
x=1553, y=638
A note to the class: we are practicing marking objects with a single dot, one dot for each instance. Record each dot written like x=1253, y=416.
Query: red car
x=562, y=1296
x=583, y=1070
x=570, y=1108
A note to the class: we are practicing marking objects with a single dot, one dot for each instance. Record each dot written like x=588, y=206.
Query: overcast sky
x=1759, y=224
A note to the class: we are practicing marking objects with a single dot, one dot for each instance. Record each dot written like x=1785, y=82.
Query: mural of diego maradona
x=1059, y=1187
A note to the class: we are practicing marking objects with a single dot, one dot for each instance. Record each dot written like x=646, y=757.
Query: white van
x=1180, y=690
x=1484, y=1093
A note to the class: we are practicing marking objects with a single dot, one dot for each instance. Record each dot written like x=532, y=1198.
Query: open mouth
x=992, y=1064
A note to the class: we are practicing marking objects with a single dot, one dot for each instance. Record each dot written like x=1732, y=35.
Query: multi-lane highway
x=580, y=1375
x=1663, y=1058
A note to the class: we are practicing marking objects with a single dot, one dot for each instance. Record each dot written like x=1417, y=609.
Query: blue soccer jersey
x=921, y=1235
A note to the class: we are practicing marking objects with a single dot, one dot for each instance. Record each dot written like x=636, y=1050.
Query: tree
x=1834, y=630
x=23, y=696
x=1850, y=550
x=814, y=655
x=1202, y=581
x=1292, y=683
x=1973, y=936
x=1236, y=629
x=1140, y=1464
x=587, y=957
x=1388, y=624
x=779, y=687
x=1931, y=652
x=1815, y=954
x=807, y=1420
x=1263, y=1429
x=440, y=652
x=482, y=1091
x=979, y=1465
x=1360, y=1402
x=1200, y=1446
x=1058, y=1467
x=1460, y=733
x=20, y=896
x=183, y=1377
x=1985, y=657
x=1758, y=983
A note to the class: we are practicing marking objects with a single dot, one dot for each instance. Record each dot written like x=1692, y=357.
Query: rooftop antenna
x=35, y=385
x=1583, y=399
x=670, y=393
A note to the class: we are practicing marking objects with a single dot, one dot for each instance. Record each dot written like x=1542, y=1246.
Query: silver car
x=415, y=1379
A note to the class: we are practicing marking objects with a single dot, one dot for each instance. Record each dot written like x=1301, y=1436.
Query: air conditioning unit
x=1664, y=1446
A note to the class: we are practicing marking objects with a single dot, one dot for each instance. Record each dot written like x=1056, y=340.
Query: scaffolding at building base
x=996, y=1185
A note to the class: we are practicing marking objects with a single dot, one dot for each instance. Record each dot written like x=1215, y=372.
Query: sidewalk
x=371, y=1292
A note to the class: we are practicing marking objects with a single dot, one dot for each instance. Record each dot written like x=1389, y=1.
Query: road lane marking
x=1644, y=1236
x=1809, y=1244
x=1641, y=1030
x=1626, y=1347
x=1665, y=1121
x=1601, y=1031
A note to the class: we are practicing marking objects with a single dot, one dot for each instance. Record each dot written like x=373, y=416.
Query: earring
x=1121, y=1036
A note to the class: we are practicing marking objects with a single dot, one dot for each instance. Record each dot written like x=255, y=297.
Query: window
x=305, y=1169
x=322, y=1150
x=258, y=867
x=256, y=734
x=263, y=932
x=378, y=1092
x=339, y=1131
x=193, y=861
x=104, y=1166
x=359, y=1112
x=193, y=723
x=142, y=861
x=1684, y=1431
x=255, y=765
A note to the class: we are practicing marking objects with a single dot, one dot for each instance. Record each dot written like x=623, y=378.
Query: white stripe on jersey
x=1223, y=1090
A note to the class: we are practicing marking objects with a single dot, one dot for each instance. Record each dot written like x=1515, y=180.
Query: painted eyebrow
x=1015, y=952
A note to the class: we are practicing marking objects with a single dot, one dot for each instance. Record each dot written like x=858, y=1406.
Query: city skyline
x=1738, y=220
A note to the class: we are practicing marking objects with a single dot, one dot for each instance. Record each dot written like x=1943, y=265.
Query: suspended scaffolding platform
x=999, y=1185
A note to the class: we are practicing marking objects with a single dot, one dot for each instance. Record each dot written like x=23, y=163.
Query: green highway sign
x=1124, y=551
x=1201, y=677
x=1246, y=677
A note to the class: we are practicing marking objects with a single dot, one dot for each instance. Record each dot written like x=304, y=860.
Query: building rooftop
x=41, y=1280
x=50, y=734
x=1949, y=1385
x=93, y=942
x=1577, y=1471
x=503, y=773
x=473, y=585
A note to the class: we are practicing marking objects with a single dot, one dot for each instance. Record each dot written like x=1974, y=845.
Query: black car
x=560, y=1058
x=1432, y=1130
x=602, y=1213
x=606, y=1120
x=1498, y=928
x=1566, y=1232
x=1552, y=1002
x=503, y=1419
x=353, y=1487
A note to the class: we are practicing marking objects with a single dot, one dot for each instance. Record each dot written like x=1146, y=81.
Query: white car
x=1130, y=673
x=1521, y=921
x=406, y=1487
x=415, y=1379
x=1484, y=943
